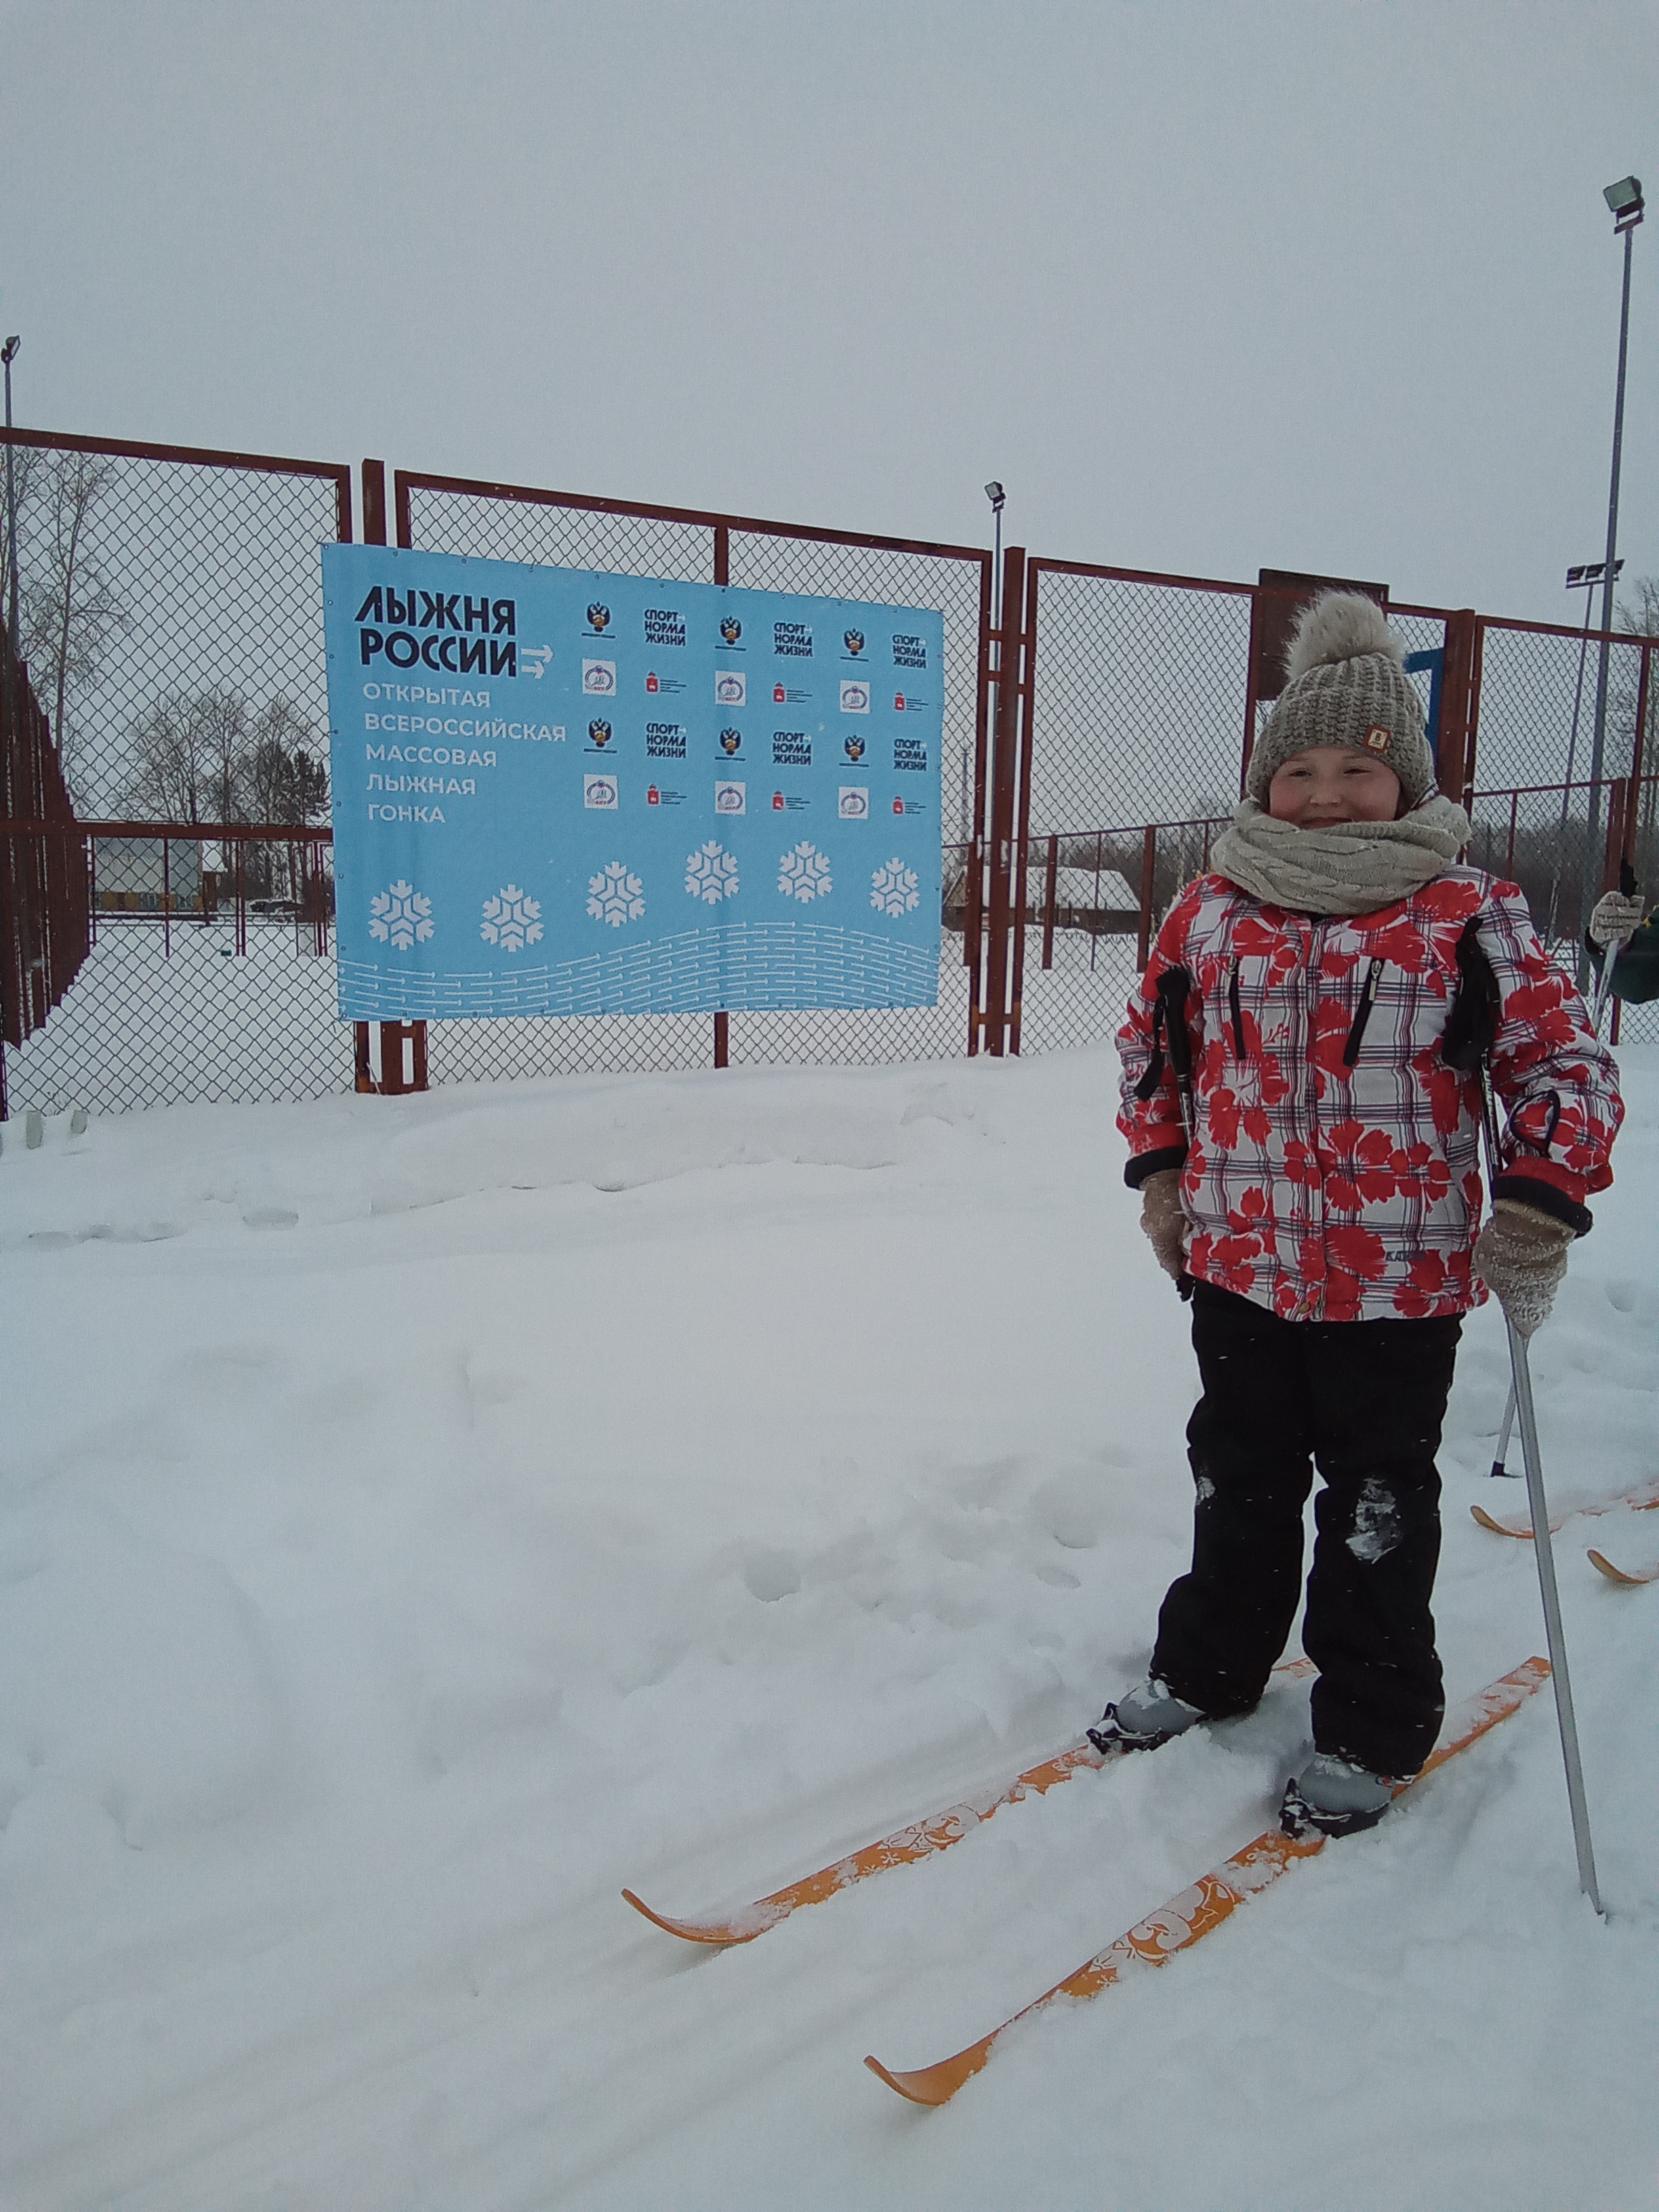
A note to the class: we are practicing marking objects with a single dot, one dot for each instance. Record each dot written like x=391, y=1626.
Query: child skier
x=1308, y=1161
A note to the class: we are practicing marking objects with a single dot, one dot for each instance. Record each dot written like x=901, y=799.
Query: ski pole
x=1497, y=1465
x=1558, y=1643
x=1545, y=1552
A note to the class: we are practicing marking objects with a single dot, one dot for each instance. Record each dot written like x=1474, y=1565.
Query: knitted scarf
x=1352, y=867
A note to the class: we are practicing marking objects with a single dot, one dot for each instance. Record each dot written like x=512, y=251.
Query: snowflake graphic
x=893, y=889
x=401, y=916
x=711, y=873
x=615, y=896
x=803, y=873
x=512, y=920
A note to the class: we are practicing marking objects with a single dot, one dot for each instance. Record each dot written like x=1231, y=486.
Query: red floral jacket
x=1332, y=1171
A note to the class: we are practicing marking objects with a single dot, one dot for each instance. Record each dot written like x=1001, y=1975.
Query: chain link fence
x=1137, y=695
x=1536, y=836
x=198, y=983
x=174, y=620
x=171, y=617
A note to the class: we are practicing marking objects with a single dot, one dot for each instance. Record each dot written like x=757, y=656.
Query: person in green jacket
x=1617, y=923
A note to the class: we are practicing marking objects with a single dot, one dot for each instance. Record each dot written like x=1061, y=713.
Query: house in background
x=131, y=876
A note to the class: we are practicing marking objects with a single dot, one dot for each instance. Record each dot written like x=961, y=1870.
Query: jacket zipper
x=1362, y=1013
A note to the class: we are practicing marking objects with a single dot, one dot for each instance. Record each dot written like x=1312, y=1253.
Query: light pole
x=1625, y=200
x=9, y=353
x=996, y=494
x=1584, y=577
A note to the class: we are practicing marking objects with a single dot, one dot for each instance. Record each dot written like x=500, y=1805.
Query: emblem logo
x=855, y=698
x=653, y=797
x=651, y=682
x=730, y=629
x=600, y=677
x=599, y=791
x=599, y=732
x=855, y=802
x=730, y=741
x=731, y=687
x=729, y=798
x=777, y=802
x=779, y=694
x=854, y=747
x=598, y=616
x=1377, y=738
x=854, y=640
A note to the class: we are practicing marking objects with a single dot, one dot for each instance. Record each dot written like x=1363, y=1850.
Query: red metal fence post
x=1252, y=650
x=393, y=1033
x=1148, y=863
x=973, y=889
x=722, y=576
x=1639, y=745
x=392, y=1085
x=1455, y=765
x=1005, y=770
x=1023, y=692
x=1050, y=903
x=374, y=476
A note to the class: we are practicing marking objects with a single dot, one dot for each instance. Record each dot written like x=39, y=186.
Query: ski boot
x=1336, y=1797
x=1144, y=1717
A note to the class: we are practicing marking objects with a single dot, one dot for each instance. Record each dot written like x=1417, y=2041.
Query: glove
x=1162, y=1221
x=1520, y=1256
x=1615, y=919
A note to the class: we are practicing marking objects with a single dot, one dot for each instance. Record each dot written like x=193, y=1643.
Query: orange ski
x=1210, y=1901
x=1639, y=1501
x=1632, y=1575
x=920, y=1840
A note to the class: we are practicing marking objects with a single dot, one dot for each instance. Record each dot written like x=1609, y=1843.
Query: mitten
x=1163, y=1222
x=1615, y=919
x=1520, y=1256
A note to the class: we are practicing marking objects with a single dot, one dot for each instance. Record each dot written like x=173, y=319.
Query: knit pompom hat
x=1348, y=686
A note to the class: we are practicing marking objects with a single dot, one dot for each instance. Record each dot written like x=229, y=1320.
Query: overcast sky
x=1209, y=287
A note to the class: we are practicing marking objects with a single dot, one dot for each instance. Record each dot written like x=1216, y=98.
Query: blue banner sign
x=560, y=793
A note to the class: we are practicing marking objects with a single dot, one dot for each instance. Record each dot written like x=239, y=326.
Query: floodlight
x=995, y=493
x=1625, y=199
x=1591, y=572
x=9, y=353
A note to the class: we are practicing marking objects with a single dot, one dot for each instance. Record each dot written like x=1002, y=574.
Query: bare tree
x=26, y=461
x=70, y=610
x=188, y=758
x=287, y=780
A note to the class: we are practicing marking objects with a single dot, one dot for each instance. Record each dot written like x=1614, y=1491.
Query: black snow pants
x=1365, y=1400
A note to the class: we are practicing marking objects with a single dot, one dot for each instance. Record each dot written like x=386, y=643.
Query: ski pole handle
x=1610, y=952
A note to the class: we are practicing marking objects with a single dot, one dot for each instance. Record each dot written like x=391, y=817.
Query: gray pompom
x=1340, y=626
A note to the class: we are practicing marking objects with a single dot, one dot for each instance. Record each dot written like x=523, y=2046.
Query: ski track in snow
x=419, y=1517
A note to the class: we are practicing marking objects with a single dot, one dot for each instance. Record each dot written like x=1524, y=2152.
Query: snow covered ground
x=420, y=1517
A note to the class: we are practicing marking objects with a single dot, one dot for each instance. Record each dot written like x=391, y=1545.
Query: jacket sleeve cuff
x=1144, y=1164
x=1547, y=1196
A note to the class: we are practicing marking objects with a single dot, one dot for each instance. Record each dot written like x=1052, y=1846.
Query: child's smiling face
x=1332, y=783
